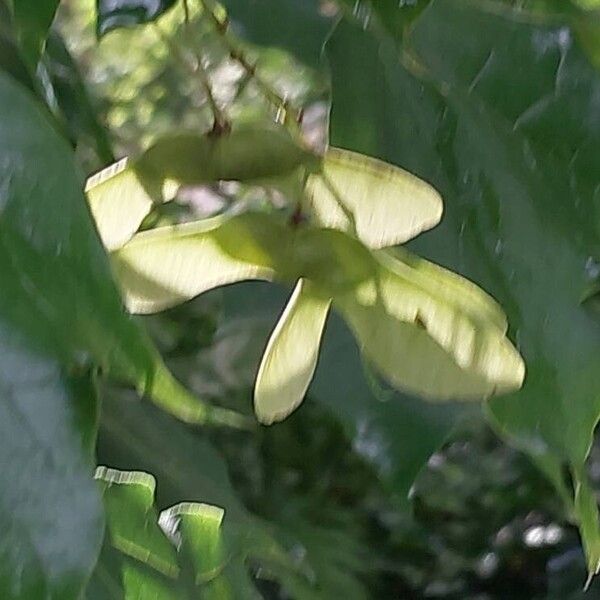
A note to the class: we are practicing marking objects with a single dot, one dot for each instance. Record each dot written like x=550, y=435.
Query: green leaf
x=123, y=194
x=59, y=303
x=588, y=4
x=290, y=358
x=77, y=109
x=298, y=27
x=136, y=437
x=152, y=564
x=512, y=152
x=112, y=14
x=50, y=511
x=11, y=58
x=465, y=347
x=52, y=264
x=200, y=528
x=107, y=578
x=32, y=20
x=586, y=509
x=166, y=266
x=424, y=342
x=383, y=203
x=249, y=152
x=133, y=520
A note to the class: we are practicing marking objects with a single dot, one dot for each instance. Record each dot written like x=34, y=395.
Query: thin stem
x=292, y=115
x=221, y=123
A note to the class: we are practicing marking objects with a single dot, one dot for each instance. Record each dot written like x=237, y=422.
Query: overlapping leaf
x=151, y=559
x=119, y=203
x=186, y=465
x=47, y=433
x=59, y=307
x=393, y=432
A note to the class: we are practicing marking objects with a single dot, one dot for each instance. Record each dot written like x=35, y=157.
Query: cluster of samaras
x=426, y=330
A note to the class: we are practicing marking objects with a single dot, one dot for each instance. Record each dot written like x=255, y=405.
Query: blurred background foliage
x=332, y=481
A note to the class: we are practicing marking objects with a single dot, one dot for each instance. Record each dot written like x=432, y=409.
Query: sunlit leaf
x=156, y=553
x=464, y=345
x=249, y=152
x=395, y=436
x=588, y=4
x=385, y=204
x=134, y=436
x=336, y=262
x=200, y=528
x=123, y=194
x=290, y=358
x=133, y=520
x=164, y=267
x=424, y=343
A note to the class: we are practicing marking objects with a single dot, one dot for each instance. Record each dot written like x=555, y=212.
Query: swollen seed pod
x=247, y=153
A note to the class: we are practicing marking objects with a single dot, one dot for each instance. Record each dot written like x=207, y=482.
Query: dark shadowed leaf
x=479, y=117
x=76, y=107
x=107, y=578
x=50, y=511
x=112, y=14
x=11, y=58
x=59, y=296
x=32, y=20
x=298, y=26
